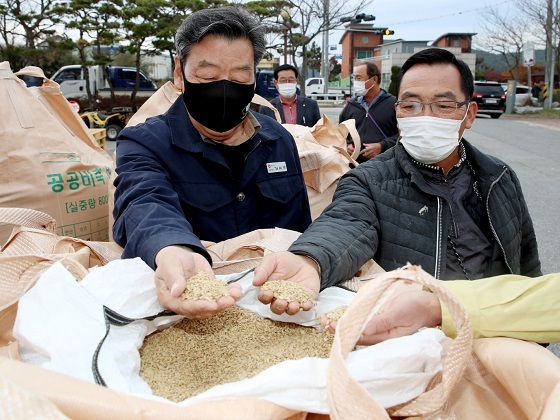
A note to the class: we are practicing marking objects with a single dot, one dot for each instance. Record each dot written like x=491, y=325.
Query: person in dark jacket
x=432, y=200
x=374, y=111
x=293, y=108
x=207, y=169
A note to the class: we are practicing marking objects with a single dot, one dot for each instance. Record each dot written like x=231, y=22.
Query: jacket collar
x=185, y=136
x=485, y=166
x=360, y=100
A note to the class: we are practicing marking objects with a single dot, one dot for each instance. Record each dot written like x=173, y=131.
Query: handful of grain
x=202, y=286
x=336, y=314
x=289, y=291
x=196, y=355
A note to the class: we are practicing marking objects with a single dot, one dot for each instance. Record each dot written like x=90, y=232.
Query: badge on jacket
x=274, y=167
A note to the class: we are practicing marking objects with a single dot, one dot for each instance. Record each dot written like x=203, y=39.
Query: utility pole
x=325, y=54
x=549, y=74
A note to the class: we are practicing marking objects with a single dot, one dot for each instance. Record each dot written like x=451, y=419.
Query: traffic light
x=384, y=32
x=365, y=17
x=358, y=18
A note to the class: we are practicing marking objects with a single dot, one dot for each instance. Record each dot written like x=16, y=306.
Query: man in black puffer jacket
x=432, y=200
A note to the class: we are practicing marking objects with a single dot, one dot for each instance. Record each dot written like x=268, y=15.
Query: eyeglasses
x=290, y=80
x=440, y=108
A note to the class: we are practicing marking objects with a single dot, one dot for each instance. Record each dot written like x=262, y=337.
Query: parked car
x=265, y=84
x=490, y=97
x=523, y=95
x=72, y=81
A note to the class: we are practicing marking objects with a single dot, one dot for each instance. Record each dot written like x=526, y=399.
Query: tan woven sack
x=494, y=378
x=78, y=399
x=32, y=248
x=24, y=389
x=323, y=155
x=324, y=158
x=51, y=162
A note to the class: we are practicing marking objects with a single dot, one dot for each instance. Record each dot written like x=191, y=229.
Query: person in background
x=504, y=306
x=374, y=111
x=433, y=200
x=207, y=169
x=537, y=89
x=293, y=108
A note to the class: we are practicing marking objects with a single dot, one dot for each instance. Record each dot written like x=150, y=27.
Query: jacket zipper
x=490, y=220
x=437, y=268
x=245, y=160
x=252, y=150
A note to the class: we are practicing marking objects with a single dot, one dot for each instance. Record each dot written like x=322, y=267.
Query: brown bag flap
x=348, y=399
x=79, y=399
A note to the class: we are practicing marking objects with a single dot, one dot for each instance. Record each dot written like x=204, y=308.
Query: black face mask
x=218, y=106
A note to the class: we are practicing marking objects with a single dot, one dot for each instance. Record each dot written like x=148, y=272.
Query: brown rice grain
x=289, y=291
x=195, y=355
x=202, y=286
x=337, y=313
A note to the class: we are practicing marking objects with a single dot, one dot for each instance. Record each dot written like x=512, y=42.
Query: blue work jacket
x=173, y=188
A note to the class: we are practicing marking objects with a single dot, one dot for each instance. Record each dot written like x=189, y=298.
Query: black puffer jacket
x=384, y=210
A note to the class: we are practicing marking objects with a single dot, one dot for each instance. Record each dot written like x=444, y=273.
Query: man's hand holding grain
x=175, y=264
x=294, y=268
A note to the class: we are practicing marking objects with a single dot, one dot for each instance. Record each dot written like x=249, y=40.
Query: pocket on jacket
x=283, y=189
x=205, y=197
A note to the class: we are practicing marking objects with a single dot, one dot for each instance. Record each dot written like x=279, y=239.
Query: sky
x=426, y=20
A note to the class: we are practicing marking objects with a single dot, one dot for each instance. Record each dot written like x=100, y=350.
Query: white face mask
x=287, y=90
x=360, y=87
x=429, y=139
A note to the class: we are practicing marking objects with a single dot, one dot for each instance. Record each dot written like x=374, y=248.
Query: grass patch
x=545, y=113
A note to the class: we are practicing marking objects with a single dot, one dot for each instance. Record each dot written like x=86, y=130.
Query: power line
x=449, y=15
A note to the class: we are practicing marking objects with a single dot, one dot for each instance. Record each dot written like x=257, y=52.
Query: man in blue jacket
x=207, y=169
x=293, y=108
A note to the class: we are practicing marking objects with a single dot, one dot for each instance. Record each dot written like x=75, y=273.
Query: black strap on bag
x=114, y=318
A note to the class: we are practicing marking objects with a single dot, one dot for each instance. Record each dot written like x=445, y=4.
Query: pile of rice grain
x=289, y=291
x=195, y=355
x=202, y=286
x=335, y=314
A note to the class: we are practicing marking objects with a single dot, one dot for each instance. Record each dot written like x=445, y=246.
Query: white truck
x=315, y=89
x=72, y=83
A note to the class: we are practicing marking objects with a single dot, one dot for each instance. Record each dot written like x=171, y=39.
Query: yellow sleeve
x=509, y=306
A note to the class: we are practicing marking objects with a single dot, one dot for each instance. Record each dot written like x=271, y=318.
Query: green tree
x=79, y=15
x=393, y=85
x=25, y=23
x=270, y=14
x=140, y=22
x=171, y=15
x=314, y=57
x=335, y=69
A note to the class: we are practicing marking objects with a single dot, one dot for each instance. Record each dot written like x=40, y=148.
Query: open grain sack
x=61, y=325
x=50, y=160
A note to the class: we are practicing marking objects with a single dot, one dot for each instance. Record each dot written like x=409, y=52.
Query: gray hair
x=232, y=22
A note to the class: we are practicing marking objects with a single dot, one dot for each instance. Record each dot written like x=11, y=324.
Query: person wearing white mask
x=373, y=109
x=433, y=200
x=293, y=108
